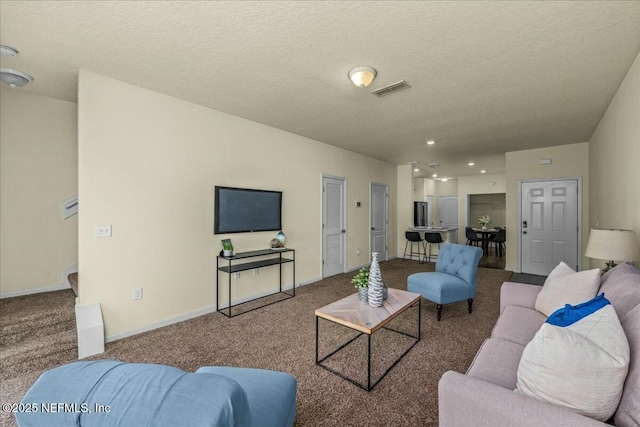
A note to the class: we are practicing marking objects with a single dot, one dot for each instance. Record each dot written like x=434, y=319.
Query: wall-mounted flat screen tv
x=241, y=210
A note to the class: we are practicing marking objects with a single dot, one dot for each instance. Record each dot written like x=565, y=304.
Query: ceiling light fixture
x=362, y=76
x=471, y=163
x=435, y=175
x=445, y=179
x=416, y=170
x=431, y=142
x=14, y=78
x=483, y=171
x=6, y=50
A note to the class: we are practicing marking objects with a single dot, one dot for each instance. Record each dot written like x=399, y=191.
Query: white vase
x=375, y=282
x=484, y=227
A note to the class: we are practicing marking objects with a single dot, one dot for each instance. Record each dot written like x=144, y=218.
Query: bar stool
x=414, y=237
x=432, y=238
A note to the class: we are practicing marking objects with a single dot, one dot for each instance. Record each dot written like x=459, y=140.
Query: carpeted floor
x=282, y=337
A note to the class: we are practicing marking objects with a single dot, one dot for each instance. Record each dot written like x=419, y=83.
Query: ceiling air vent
x=393, y=87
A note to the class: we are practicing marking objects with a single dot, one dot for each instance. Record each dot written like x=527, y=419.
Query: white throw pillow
x=565, y=286
x=581, y=366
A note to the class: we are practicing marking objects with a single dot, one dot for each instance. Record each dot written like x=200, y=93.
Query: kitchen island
x=449, y=235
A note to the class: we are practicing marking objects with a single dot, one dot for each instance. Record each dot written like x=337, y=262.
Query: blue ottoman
x=113, y=393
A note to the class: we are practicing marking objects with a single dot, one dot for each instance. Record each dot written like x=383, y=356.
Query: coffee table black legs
x=369, y=385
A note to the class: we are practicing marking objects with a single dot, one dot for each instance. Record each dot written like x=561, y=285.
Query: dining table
x=485, y=234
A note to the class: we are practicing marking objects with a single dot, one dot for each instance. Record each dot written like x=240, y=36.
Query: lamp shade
x=362, y=76
x=613, y=245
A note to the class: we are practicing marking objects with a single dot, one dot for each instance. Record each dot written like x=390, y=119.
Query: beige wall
x=148, y=164
x=568, y=161
x=38, y=171
x=404, y=205
x=614, y=161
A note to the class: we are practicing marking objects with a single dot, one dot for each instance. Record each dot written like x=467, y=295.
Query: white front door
x=448, y=211
x=379, y=220
x=333, y=226
x=549, y=225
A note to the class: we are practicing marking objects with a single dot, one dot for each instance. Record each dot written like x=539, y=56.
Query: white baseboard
x=192, y=315
x=160, y=324
x=32, y=291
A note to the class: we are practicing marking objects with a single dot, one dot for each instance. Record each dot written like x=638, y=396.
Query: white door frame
x=386, y=218
x=519, y=220
x=344, y=214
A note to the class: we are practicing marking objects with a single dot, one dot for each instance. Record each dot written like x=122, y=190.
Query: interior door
x=549, y=225
x=379, y=220
x=333, y=226
x=448, y=211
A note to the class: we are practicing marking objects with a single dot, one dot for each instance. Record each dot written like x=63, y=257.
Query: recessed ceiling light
x=483, y=171
x=435, y=175
x=445, y=179
x=431, y=142
x=416, y=170
x=471, y=163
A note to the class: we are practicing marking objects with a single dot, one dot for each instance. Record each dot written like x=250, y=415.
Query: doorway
x=549, y=226
x=379, y=219
x=448, y=211
x=333, y=226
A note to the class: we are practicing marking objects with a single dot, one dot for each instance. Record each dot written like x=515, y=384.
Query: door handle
x=524, y=232
x=373, y=228
x=344, y=231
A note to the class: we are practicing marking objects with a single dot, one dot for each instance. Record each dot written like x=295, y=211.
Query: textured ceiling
x=485, y=77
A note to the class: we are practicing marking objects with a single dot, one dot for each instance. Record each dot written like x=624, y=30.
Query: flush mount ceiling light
x=6, y=50
x=471, y=163
x=483, y=171
x=435, y=175
x=362, y=76
x=14, y=78
x=431, y=142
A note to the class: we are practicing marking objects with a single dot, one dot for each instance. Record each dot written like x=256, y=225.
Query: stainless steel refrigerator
x=420, y=214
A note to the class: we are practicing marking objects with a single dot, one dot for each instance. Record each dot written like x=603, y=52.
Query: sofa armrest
x=468, y=401
x=519, y=294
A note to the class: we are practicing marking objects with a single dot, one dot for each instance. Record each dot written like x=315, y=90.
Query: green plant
x=361, y=280
x=226, y=245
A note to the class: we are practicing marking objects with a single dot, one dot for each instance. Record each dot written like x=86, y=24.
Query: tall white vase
x=375, y=282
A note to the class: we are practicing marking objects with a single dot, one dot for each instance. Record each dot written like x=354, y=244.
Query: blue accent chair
x=454, y=279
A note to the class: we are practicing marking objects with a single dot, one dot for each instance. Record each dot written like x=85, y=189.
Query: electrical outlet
x=137, y=294
x=237, y=274
x=358, y=252
x=256, y=271
x=103, y=230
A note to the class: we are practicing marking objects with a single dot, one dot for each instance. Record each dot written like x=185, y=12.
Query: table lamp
x=612, y=245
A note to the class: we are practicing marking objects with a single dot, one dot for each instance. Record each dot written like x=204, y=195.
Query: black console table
x=272, y=257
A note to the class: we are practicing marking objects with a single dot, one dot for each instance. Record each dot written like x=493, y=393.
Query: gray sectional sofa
x=485, y=396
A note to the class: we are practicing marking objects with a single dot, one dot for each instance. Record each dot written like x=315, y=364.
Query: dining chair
x=472, y=237
x=499, y=241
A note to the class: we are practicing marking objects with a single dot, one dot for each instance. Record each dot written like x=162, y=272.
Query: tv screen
x=241, y=210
